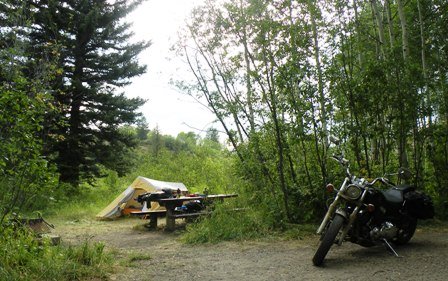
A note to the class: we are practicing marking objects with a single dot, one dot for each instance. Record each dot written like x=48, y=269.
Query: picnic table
x=171, y=204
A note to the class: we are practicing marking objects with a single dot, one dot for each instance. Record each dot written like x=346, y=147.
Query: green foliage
x=199, y=164
x=27, y=180
x=281, y=77
x=25, y=176
x=23, y=257
x=225, y=224
x=437, y=181
x=88, y=200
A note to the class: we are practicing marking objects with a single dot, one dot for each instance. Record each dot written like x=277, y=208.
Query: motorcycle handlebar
x=381, y=179
x=344, y=162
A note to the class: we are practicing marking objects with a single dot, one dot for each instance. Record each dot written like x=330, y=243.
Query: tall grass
x=225, y=224
x=89, y=200
x=23, y=257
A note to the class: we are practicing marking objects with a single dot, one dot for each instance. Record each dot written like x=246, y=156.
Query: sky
x=170, y=110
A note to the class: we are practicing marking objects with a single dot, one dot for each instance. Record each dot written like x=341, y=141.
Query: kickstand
x=389, y=247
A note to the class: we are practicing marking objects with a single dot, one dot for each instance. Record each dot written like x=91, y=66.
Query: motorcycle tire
x=328, y=239
x=407, y=230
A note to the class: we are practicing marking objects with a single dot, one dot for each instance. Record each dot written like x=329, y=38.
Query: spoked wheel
x=406, y=231
x=328, y=239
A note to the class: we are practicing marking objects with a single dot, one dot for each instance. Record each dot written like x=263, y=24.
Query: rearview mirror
x=404, y=173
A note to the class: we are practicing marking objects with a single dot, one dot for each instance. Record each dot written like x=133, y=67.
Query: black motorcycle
x=368, y=216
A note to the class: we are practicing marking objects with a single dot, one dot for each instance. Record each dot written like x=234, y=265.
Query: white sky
x=167, y=108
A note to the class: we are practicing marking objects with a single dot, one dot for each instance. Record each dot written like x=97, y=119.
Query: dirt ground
x=164, y=257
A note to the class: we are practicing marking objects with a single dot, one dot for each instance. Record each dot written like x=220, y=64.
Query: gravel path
x=422, y=259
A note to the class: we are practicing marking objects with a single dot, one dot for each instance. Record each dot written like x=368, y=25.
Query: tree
x=248, y=75
x=280, y=76
x=26, y=178
x=212, y=135
x=95, y=60
x=156, y=141
x=142, y=130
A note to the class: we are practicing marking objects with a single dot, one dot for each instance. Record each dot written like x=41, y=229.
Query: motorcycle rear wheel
x=328, y=239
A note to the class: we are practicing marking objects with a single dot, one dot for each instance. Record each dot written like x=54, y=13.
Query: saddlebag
x=419, y=205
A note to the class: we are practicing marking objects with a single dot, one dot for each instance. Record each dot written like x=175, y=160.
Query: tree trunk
x=70, y=153
x=402, y=146
x=404, y=30
x=390, y=25
x=320, y=83
x=358, y=33
x=422, y=40
x=249, y=97
x=379, y=23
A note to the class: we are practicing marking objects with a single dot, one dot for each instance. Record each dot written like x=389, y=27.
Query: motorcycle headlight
x=353, y=192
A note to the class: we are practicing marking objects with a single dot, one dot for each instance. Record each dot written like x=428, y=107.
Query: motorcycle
x=368, y=216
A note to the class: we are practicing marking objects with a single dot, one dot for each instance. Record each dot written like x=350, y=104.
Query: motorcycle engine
x=387, y=230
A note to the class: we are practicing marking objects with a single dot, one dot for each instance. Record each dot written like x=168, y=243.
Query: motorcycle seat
x=393, y=196
x=404, y=188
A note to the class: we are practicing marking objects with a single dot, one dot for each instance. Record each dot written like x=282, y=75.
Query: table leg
x=170, y=221
x=153, y=221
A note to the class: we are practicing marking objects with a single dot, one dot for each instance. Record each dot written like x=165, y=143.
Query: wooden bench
x=189, y=215
x=153, y=216
x=202, y=213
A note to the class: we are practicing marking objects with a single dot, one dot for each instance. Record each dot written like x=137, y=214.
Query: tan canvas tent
x=140, y=185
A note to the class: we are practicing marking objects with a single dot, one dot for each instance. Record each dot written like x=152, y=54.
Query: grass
x=89, y=200
x=224, y=225
x=298, y=231
x=22, y=257
x=132, y=259
x=434, y=225
x=248, y=224
x=221, y=226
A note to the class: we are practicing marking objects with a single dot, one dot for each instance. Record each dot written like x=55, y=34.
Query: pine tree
x=95, y=60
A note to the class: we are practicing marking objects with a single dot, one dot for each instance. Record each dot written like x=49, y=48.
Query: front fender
x=343, y=213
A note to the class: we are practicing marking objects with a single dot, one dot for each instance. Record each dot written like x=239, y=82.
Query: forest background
x=280, y=76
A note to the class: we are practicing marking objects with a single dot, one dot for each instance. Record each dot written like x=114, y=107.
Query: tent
x=125, y=201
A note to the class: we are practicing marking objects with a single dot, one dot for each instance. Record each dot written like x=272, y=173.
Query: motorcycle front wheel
x=328, y=239
x=407, y=230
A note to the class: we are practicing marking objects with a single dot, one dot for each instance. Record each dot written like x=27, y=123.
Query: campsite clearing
x=165, y=258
